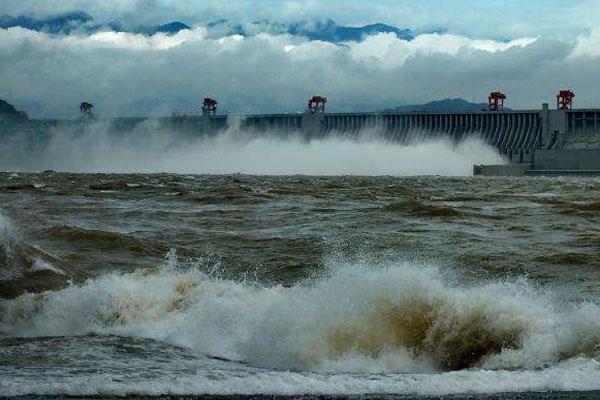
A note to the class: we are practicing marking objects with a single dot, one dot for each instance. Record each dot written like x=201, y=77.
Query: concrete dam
x=511, y=132
x=532, y=141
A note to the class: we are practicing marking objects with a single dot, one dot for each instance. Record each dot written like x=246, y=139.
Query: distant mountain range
x=446, y=105
x=63, y=23
x=9, y=112
x=82, y=22
x=325, y=30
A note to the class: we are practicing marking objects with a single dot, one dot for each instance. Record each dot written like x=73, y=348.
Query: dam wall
x=520, y=135
x=508, y=131
x=531, y=140
x=514, y=130
x=582, y=129
x=515, y=134
x=511, y=132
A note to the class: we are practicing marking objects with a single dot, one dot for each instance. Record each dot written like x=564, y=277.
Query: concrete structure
x=536, y=140
x=516, y=134
x=531, y=140
x=508, y=130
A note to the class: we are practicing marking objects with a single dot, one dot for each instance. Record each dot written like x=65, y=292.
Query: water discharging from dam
x=95, y=148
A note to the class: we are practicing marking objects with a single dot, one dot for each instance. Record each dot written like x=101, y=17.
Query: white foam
x=5, y=224
x=399, y=319
x=575, y=375
x=7, y=241
x=43, y=265
x=7, y=249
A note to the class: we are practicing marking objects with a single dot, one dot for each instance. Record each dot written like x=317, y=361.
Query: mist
x=151, y=149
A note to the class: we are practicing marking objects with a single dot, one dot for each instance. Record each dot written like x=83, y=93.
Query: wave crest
x=402, y=318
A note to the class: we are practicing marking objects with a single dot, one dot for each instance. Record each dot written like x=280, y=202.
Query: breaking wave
x=27, y=267
x=402, y=318
x=7, y=247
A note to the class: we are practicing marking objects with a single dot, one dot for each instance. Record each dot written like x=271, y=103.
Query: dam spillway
x=508, y=131
x=511, y=132
x=515, y=130
x=530, y=140
x=543, y=138
x=519, y=130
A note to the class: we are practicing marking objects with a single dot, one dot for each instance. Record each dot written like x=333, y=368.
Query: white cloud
x=106, y=39
x=588, y=45
x=388, y=51
x=476, y=18
x=128, y=74
x=124, y=40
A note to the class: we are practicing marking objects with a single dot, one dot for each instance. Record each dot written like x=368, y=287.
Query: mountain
x=9, y=112
x=329, y=31
x=171, y=28
x=63, y=23
x=84, y=22
x=446, y=105
x=225, y=27
x=325, y=30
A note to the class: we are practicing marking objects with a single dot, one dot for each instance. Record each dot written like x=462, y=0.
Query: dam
x=543, y=141
x=532, y=141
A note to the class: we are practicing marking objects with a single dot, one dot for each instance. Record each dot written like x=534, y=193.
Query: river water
x=152, y=284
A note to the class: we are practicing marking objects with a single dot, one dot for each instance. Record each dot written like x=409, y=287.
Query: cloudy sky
x=527, y=50
x=506, y=18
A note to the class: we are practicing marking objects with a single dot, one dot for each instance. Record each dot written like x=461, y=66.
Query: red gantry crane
x=317, y=104
x=496, y=101
x=209, y=106
x=564, y=99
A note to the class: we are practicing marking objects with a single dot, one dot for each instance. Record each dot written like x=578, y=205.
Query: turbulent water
x=345, y=285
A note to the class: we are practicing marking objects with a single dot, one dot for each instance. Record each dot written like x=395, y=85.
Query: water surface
x=174, y=284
